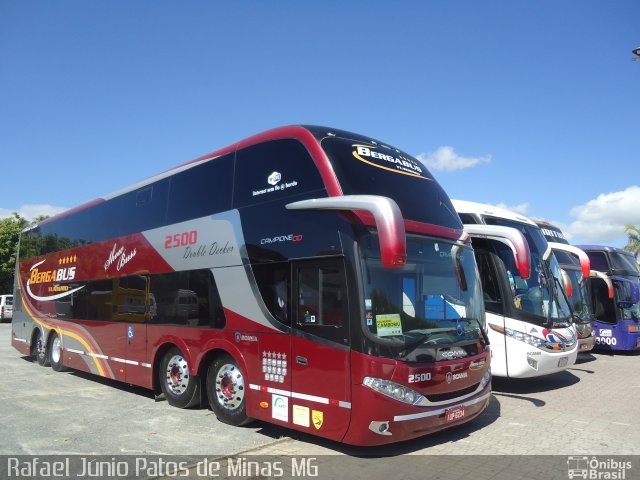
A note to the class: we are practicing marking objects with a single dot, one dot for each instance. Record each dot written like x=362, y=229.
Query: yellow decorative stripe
x=64, y=332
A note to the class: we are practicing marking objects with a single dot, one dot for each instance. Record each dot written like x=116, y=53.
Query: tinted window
x=273, y=170
x=603, y=307
x=490, y=284
x=201, y=190
x=274, y=282
x=132, y=212
x=598, y=261
x=467, y=218
x=375, y=169
x=321, y=294
x=187, y=298
x=145, y=208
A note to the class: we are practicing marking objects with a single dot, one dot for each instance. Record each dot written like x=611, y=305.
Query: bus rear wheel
x=180, y=388
x=39, y=349
x=226, y=391
x=54, y=352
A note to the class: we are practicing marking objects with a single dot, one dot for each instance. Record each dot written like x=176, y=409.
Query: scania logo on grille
x=450, y=377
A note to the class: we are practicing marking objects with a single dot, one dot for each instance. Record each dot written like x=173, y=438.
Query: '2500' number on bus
x=183, y=239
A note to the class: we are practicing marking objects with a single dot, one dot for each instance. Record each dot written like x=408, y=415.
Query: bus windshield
x=580, y=298
x=435, y=300
x=368, y=167
x=537, y=298
x=621, y=261
x=628, y=310
x=580, y=302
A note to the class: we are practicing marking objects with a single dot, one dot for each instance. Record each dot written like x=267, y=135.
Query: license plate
x=454, y=414
x=584, y=346
x=563, y=362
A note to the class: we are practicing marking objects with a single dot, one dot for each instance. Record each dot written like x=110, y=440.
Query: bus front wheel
x=179, y=387
x=226, y=391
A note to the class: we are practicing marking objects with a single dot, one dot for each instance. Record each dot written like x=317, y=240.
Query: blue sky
x=529, y=105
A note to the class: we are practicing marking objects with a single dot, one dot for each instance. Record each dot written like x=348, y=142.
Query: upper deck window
x=273, y=170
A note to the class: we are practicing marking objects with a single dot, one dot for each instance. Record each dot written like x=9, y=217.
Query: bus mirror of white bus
x=605, y=278
x=511, y=237
x=566, y=283
x=585, y=263
x=386, y=214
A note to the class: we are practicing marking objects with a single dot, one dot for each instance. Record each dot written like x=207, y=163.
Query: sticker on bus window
x=389, y=324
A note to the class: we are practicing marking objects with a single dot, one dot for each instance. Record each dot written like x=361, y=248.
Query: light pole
x=636, y=52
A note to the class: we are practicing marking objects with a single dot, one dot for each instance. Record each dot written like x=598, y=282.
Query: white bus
x=529, y=320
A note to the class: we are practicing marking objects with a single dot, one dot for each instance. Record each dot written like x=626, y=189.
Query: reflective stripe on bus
x=301, y=396
x=433, y=413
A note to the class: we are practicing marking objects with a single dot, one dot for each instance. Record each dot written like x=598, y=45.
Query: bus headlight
x=521, y=336
x=486, y=379
x=393, y=390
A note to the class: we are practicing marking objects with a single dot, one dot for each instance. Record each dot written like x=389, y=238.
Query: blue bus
x=617, y=323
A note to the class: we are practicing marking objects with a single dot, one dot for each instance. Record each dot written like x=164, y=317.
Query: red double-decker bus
x=309, y=277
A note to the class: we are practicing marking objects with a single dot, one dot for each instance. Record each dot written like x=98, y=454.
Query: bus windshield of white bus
x=538, y=297
x=435, y=300
x=580, y=298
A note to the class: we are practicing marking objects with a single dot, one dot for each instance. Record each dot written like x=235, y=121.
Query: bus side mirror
x=585, y=263
x=510, y=237
x=387, y=218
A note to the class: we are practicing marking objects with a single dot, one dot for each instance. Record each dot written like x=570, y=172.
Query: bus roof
x=603, y=248
x=301, y=132
x=463, y=206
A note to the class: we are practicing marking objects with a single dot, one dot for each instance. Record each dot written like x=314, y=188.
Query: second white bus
x=528, y=319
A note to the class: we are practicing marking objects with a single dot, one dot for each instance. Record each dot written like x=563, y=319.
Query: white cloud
x=30, y=212
x=446, y=159
x=602, y=219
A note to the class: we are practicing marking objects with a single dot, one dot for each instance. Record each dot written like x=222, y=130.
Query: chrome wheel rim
x=56, y=350
x=229, y=387
x=177, y=374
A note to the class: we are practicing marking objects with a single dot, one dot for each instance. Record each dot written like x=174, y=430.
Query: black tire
x=39, y=349
x=226, y=391
x=180, y=388
x=55, y=353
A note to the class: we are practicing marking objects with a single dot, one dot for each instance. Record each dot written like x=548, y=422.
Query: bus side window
x=187, y=298
x=598, y=261
x=274, y=170
x=274, y=283
x=602, y=305
x=490, y=283
x=322, y=305
x=201, y=190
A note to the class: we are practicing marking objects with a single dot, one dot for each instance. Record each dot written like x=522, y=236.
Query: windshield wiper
x=485, y=337
x=423, y=337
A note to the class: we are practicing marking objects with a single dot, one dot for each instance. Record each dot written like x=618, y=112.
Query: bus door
x=494, y=304
x=320, y=354
x=131, y=309
x=498, y=283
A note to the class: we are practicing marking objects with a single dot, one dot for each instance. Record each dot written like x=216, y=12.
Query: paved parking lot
x=589, y=410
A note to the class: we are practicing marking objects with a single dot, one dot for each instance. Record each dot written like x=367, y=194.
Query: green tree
x=634, y=239
x=10, y=229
